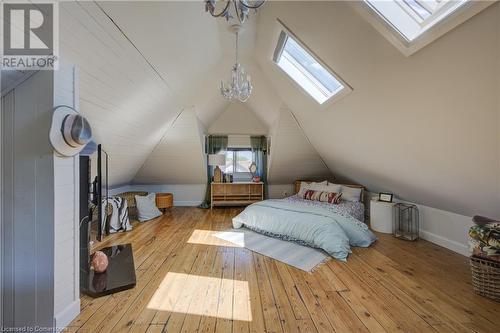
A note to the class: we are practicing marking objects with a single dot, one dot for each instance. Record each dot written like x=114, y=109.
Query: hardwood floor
x=189, y=281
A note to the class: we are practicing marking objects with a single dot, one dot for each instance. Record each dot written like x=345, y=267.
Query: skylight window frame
x=433, y=32
x=276, y=53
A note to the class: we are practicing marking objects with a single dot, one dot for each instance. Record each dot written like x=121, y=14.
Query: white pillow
x=146, y=207
x=321, y=186
x=336, y=188
x=352, y=194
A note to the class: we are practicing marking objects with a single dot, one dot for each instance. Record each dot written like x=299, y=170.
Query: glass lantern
x=406, y=221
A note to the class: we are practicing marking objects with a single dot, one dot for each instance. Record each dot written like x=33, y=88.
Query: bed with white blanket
x=331, y=227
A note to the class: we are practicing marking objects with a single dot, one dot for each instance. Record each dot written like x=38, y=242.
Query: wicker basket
x=164, y=200
x=486, y=277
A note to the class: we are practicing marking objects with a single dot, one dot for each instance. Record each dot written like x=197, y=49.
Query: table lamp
x=217, y=160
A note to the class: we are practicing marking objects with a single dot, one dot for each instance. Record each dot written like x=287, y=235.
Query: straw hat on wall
x=70, y=131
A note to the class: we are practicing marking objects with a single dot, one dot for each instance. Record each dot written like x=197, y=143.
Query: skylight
x=305, y=69
x=411, y=18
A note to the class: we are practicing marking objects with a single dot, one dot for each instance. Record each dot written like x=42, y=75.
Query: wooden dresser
x=236, y=194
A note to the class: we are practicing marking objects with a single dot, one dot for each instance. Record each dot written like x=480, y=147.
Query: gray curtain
x=214, y=144
x=259, y=151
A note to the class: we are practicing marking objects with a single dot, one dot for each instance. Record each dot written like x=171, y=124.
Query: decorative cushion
x=330, y=197
x=317, y=186
x=146, y=207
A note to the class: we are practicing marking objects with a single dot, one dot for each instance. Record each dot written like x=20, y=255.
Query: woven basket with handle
x=486, y=277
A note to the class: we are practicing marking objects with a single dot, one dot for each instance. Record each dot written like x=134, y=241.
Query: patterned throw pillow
x=330, y=197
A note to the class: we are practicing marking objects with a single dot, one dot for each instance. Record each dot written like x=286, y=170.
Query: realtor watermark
x=30, y=35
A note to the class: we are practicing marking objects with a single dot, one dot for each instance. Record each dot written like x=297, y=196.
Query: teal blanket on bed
x=313, y=226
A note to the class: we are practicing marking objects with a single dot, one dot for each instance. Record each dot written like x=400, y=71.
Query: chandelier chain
x=240, y=85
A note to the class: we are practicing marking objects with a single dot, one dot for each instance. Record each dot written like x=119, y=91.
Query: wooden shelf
x=236, y=194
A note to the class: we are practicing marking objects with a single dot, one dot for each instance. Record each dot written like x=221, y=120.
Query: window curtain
x=214, y=144
x=259, y=151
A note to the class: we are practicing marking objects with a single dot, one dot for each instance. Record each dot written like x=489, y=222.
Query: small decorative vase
x=99, y=262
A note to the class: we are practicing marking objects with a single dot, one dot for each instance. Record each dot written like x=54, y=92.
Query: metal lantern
x=406, y=221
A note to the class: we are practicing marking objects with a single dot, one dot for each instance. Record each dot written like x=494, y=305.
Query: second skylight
x=305, y=70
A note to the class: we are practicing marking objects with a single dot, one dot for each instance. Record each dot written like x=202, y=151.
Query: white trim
x=76, y=180
x=445, y=242
x=187, y=203
x=439, y=29
x=64, y=318
x=1, y=216
x=449, y=229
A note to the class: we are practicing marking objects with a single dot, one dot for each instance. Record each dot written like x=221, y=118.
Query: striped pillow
x=330, y=197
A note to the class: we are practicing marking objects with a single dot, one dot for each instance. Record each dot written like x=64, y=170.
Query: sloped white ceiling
x=179, y=156
x=423, y=127
x=292, y=156
x=126, y=102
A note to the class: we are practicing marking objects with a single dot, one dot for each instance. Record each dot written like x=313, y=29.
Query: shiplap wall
x=28, y=213
x=127, y=103
x=179, y=156
x=66, y=219
x=292, y=156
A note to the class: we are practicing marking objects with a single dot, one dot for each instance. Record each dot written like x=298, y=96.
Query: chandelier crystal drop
x=240, y=86
x=240, y=7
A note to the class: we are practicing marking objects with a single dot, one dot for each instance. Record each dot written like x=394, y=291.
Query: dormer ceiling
x=142, y=63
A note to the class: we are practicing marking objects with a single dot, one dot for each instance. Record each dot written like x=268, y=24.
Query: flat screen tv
x=102, y=191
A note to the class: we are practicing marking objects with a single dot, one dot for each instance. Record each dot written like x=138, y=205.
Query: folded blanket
x=484, y=241
x=119, y=220
x=314, y=226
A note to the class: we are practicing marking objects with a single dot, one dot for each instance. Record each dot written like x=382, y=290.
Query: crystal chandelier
x=240, y=87
x=241, y=7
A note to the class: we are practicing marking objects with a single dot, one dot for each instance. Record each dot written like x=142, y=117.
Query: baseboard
x=65, y=317
x=187, y=203
x=444, y=242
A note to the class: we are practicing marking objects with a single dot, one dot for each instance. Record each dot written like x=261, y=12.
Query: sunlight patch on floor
x=202, y=295
x=217, y=238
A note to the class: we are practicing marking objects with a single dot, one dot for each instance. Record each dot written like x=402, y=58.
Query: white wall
x=184, y=194
x=179, y=156
x=237, y=118
x=66, y=212
x=438, y=226
x=424, y=127
x=292, y=155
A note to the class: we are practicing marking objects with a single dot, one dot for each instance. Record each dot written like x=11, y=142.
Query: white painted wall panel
x=184, y=194
x=66, y=219
x=179, y=157
x=237, y=118
x=424, y=127
x=128, y=105
x=28, y=214
x=292, y=156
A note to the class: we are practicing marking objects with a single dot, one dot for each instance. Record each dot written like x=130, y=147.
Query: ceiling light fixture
x=241, y=86
x=241, y=7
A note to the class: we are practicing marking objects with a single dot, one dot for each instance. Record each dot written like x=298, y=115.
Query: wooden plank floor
x=189, y=281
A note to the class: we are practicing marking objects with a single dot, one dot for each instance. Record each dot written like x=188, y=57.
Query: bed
x=333, y=228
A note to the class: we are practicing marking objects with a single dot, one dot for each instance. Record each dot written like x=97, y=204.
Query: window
x=411, y=18
x=238, y=161
x=308, y=72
